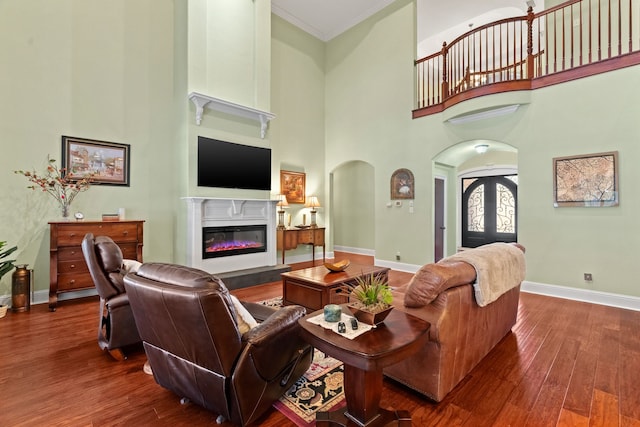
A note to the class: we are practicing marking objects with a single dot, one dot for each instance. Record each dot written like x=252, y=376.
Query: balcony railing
x=575, y=39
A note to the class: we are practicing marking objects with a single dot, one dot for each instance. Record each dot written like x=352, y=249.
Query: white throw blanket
x=499, y=267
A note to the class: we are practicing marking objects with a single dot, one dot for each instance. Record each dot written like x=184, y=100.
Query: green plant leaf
x=6, y=265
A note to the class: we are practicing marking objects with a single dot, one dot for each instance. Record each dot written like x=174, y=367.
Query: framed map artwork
x=590, y=180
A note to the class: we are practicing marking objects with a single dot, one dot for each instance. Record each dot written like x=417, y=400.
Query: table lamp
x=313, y=203
x=282, y=205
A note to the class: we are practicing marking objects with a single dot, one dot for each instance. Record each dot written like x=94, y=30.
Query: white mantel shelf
x=201, y=101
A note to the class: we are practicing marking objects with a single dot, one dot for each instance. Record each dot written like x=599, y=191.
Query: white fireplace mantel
x=201, y=101
x=214, y=212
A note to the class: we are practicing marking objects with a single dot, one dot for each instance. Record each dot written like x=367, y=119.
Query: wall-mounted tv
x=229, y=165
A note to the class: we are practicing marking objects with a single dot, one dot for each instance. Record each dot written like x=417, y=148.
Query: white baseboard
x=357, y=251
x=42, y=297
x=584, y=295
x=293, y=259
x=398, y=266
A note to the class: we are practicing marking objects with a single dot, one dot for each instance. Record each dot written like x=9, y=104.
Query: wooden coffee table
x=316, y=287
x=364, y=358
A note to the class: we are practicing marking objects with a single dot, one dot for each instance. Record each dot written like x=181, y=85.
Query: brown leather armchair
x=116, y=327
x=189, y=328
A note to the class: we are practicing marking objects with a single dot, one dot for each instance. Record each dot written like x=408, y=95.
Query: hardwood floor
x=566, y=363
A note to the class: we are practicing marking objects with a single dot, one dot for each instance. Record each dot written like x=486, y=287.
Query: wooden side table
x=364, y=358
x=290, y=238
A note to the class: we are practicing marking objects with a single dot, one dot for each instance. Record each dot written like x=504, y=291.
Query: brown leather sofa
x=462, y=333
x=116, y=326
x=189, y=326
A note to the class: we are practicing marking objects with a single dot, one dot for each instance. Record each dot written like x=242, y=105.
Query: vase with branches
x=63, y=186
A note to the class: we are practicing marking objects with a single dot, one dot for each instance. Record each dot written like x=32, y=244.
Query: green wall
x=369, y=99
x=353, y=206
x=121, y=72
x=95, y=70
x=297, y=133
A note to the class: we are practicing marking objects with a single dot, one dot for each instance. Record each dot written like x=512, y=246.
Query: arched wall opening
x=465, y=160
x=352, y=193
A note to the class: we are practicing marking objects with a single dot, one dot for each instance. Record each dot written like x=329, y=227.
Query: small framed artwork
x=107, y=161
x=292, y=185
x=589, y=180
x=402, y=185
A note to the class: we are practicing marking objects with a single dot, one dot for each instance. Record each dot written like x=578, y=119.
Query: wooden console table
x=290, y=238
x=68, y=270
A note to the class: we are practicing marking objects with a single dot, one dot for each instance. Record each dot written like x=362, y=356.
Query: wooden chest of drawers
x=68, y=270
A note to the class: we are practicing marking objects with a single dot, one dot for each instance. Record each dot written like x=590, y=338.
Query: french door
x=489, y=210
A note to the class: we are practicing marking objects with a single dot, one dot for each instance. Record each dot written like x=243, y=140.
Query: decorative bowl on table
x=338, y=266
x=302, y=226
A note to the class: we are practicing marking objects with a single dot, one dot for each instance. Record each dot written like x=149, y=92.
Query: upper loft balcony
x=575, y=39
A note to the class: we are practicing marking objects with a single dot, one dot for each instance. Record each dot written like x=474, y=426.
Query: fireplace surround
x=233, y=240
x=240, y=220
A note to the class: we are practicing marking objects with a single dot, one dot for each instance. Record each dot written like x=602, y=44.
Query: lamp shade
x=312, y=202
x=282, y=200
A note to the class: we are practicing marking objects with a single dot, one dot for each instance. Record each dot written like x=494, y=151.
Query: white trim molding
x=204, y=212
x=201, y=101
x=351, y=250
x=484, y=114
x=594, y=297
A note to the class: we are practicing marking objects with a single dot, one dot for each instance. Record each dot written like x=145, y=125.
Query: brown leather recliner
x=116, y=327
x=189, y=328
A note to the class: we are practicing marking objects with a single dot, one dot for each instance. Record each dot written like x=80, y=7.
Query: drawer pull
x=72, y=281
x=125, y=232
x=72, y=234
x=73, y=266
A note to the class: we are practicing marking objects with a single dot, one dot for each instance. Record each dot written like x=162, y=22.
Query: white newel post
x=214, y=212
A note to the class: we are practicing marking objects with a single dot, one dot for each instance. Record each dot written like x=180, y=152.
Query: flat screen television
x=229, y=165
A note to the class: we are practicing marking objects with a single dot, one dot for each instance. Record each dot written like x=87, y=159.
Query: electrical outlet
x=588, y=277
x=397, y=256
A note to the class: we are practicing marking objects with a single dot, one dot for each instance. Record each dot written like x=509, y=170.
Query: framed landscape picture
x=589, y=180
x=107, y=161
x=292, y=185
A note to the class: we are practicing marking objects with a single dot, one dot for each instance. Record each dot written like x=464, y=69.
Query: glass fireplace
x=233, y=240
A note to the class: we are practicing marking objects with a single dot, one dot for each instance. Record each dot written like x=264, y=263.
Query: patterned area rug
x=320, y=389
x=273, y=302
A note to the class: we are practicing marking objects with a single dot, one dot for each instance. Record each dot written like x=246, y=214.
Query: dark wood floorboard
x=566, y=363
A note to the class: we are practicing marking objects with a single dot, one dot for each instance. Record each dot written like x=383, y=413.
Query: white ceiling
x=325, y=19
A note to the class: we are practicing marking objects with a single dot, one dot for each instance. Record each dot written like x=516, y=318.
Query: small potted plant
x=6, y=265
x=370, y=298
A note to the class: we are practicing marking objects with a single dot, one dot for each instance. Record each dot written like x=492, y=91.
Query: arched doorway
x=463, y=161
x=352, y=188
